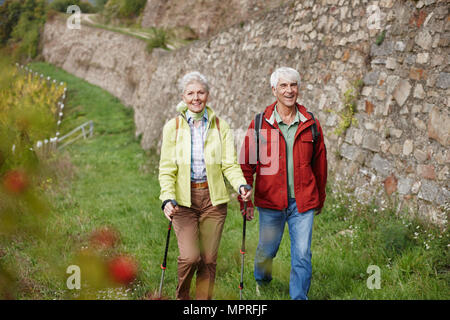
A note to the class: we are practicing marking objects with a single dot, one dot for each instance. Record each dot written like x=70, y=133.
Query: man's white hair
x=285, y=73
x=194, y=76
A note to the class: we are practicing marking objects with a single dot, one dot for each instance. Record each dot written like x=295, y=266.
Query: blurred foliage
x=28, y=221
x=28, y=112
x=27, y=108
x=20, y=25
x=100, y=4
x=159, y=39
x=123, y=10
x=62, y=5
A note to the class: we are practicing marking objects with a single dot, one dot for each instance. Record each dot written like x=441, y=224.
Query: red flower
x=123, y=269
x=15, y=181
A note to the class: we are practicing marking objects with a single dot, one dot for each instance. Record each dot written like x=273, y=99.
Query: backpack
x=258, y=124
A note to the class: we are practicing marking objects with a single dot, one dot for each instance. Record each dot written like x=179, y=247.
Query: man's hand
x=318, y=211
x=170, y=210
x=250, y=213
x=246, y=193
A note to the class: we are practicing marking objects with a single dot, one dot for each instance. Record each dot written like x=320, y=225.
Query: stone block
x=381, y=165
x=408, y=147
x=404, y=185
x=402, y=91
x=371, y=142
x=422, y=57
x=391, y=63
x=390, y=184
x=352, y=153
x=417, y=74
x=371, y=78
x=400, y=46
x=426, y=171
x=443, y=80
x=428, y=191
x=419, y=92
x=420, y=155
x=439, y=126
x=424, y=39
x=385, y=49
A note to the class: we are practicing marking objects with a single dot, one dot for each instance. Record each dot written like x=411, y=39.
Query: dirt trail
x=89, y=18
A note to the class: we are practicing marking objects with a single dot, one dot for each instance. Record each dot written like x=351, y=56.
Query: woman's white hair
x=194, y=76
x=285, y=73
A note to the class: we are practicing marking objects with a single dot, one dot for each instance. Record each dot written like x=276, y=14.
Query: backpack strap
x=218, y=127
x=177, y=125
x=258, y=124
x=217, y=123
x=315, y=134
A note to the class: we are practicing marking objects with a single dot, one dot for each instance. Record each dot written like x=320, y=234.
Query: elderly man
x=291, y=174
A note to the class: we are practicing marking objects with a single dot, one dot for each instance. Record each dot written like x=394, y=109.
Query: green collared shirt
x=288, y=132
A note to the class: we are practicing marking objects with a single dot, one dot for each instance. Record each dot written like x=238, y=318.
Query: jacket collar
x=182, y=107
x=269, y=113
x=204, y=118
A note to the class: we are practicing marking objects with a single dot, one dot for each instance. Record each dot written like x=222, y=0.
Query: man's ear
x=274, y=92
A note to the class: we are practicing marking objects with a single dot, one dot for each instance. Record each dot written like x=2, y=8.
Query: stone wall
x=204, y=17
x=398, y=142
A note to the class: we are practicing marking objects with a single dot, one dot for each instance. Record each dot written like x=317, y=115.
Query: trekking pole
x=241, y=285
x=164, y=264
x=244, y=215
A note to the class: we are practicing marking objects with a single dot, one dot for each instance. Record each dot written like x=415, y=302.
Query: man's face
x=286, y=92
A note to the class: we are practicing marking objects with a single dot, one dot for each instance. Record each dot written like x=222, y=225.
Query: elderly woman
x=197, y=152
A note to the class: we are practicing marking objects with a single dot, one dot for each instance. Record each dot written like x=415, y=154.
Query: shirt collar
x=278, y=117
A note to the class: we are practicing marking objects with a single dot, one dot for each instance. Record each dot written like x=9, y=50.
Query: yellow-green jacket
x=220, y=160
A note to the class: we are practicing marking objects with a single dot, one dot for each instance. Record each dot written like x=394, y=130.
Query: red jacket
x=271, y=184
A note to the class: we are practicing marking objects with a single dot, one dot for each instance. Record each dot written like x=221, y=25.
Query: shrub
x=26, y=33
x=100, y=4
x=123, y=9
x=394, y=237
x=62, y=5
x=159, y=39
x=9, y=17
x=21, y=26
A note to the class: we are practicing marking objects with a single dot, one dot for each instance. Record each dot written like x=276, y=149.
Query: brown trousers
x=198, y=230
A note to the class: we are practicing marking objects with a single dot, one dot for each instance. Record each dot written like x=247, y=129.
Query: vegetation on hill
x=22, y=22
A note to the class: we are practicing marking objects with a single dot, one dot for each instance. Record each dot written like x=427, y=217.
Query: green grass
x=109, y=180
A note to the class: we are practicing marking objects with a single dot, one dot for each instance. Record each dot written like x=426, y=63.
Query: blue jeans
x=271, y=229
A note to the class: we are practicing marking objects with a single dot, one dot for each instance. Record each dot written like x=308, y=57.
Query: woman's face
x=195, y=96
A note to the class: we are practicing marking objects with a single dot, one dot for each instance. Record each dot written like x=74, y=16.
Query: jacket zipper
x=285, y=153
x=285, y=150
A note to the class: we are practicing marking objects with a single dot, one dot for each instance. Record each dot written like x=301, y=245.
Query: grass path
x=114, y=182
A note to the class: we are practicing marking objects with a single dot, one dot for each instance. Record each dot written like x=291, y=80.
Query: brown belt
x=200, y=185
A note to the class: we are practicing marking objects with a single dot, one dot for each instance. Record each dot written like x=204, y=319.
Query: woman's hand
x=170, y=210
x=246, y=193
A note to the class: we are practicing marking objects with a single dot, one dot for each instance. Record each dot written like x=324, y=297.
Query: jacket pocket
x=308, y=186
x=306, y=147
